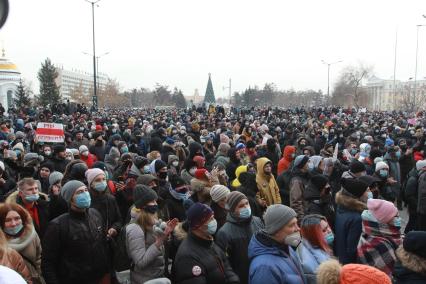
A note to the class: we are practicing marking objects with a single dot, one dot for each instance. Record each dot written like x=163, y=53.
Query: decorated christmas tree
x=209, y=96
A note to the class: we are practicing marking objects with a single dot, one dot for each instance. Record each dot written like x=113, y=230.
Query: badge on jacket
x=196, y=270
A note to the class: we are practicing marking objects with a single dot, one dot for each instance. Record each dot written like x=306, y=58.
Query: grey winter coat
x=148, y=260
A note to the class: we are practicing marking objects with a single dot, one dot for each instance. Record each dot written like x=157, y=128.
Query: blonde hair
x=146, y=220
x=25, y=181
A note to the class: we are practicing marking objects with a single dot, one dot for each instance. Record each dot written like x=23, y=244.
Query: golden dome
x=7, y=66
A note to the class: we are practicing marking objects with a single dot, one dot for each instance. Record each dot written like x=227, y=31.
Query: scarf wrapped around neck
x=378, y=242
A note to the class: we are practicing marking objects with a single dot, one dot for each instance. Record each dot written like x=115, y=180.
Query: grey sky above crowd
x=177, y=43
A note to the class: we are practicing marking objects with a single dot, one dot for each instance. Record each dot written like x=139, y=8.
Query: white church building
x=9, y=81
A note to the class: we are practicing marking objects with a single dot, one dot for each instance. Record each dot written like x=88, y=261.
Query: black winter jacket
x=315, y=204
x=59, y=164
x=107, y=206
x=233, y=238
x=75, y=249
x=200, y=261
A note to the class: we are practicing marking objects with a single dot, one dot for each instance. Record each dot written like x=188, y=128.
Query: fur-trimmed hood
x=14, y=195
x=411, y=261
x=179, y=232
x=350, y=202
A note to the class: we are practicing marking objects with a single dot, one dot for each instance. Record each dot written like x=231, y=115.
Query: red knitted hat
x=200, y=173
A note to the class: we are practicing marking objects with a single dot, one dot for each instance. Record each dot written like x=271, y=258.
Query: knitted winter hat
x=240, y=146
x=276, y=217
x=219, y=192
x=198, y=214
x=198, y=160
x=383, y=210
x=69, y=189
x=83, y=148
x=357, y=167
x=300, y=161
x=415, y=242
x=145, y=179
x=58, y=148
x=233, y=199
x=332, y=272
x=355, y=187
x=55, y=177
x=91, y=174
x=143, y=195
x=319, y=181
x=381, y=166
x=200, y=173
x=420, y=164
x=159, y=164
x=362, y=274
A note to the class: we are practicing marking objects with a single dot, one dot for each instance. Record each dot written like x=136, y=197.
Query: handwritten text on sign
x=50, y=132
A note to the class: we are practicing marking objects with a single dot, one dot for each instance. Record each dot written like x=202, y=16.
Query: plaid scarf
x=378, y=242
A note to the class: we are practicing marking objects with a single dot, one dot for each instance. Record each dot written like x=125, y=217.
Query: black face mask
x=162, y=175
x=151, y=208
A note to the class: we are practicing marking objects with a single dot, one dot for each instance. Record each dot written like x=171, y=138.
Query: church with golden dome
x=9, y=81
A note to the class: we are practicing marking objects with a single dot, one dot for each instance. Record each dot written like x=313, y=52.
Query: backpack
x=121, y=260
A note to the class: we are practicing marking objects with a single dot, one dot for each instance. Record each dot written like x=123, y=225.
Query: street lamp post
x=415, y=71
x=230, y=91
x=95, y=96
x=328, y=74
x=97, y=66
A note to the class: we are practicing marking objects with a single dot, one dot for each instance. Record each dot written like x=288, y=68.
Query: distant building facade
x=70, y=80
x=387, y=95
x=9, y=81
x=195, y=99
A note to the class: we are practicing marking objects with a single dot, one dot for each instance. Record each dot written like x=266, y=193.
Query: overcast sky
x=178, y=42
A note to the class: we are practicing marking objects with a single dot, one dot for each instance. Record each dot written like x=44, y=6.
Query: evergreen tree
x=179, y=99
x=49, y=91
x=22, y=96
x=209, y=96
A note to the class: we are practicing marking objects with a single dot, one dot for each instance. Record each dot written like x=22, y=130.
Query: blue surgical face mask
x=383, y=173
x=124, y=149
x=310, y=166
x=245, y=213
x=32, y=197
x=212, y=227
x=100, y=186
x=329, y=238
x=398, y=154
x=353, y=151
x=370, y=195
x=14, y=230
x=397, y=222
x=83, y=200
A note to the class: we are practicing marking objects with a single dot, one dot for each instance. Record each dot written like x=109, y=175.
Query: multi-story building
x=399, y=95
x=70, y=80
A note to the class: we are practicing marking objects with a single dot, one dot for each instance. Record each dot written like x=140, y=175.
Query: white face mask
x=293, y=240
x=175, y=164
x=192, y=171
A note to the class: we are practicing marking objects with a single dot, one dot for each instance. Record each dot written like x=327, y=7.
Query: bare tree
x=350, y=84
x=78, y=96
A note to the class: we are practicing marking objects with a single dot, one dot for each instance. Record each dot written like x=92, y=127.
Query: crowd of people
x=214, y=195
